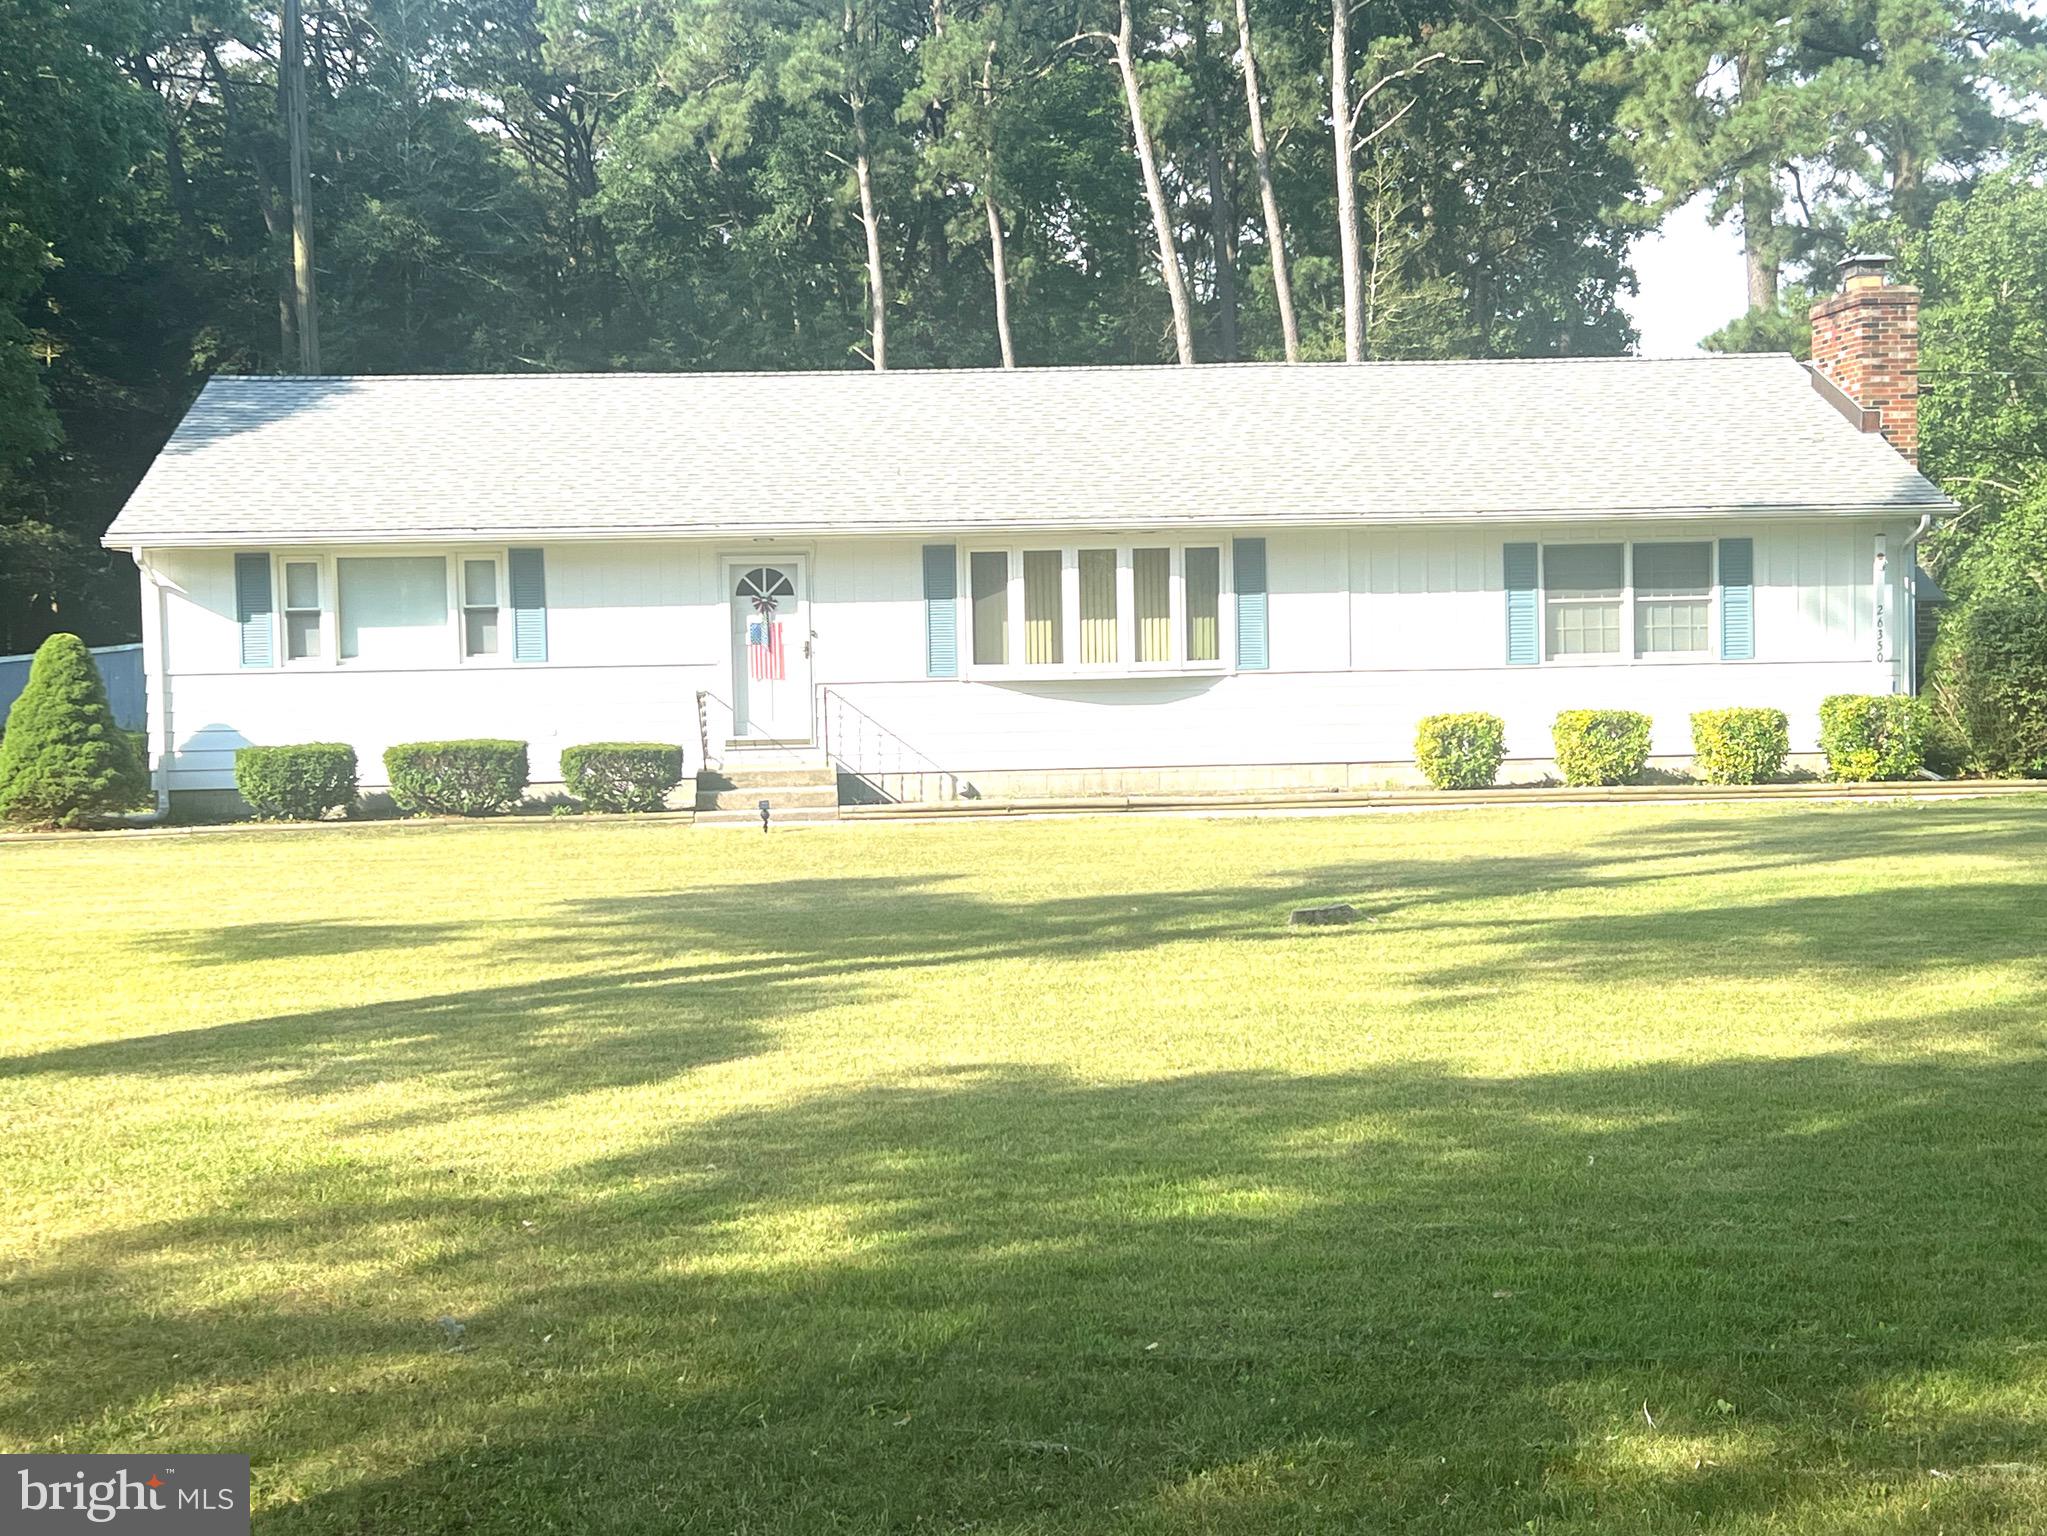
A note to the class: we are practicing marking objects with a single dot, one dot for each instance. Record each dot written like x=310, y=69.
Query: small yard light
x=764, y=815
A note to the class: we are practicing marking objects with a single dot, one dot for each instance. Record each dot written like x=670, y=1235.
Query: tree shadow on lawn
x=1007, y=1298
x=653, y=986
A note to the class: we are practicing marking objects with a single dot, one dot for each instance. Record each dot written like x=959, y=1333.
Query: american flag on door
x=764, y=643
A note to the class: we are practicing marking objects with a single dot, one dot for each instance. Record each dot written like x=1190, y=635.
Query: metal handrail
x=705, y=699
x=862, y=747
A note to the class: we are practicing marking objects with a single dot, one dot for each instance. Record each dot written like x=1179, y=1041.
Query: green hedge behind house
x=622, y=775
x=457, y=778
x=302, y=782
x=1987, y=684
x=1740, y=746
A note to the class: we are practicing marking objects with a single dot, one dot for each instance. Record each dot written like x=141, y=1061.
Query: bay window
x=1093, y=608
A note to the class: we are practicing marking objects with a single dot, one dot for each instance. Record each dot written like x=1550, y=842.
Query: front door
x=770, y=651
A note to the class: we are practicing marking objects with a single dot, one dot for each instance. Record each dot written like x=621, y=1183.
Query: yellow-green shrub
x=1600, y=746
x=1461, y=751
x=1740, y=746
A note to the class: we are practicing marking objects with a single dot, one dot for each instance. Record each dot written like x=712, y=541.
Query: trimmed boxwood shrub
x=64, y=762
x=1600, y=746
x=1461, y=751
x=622, y=775
x=457, y=778
x=1740, y=746
x=1987, y=685
x=1873, y=736
x=296, y=783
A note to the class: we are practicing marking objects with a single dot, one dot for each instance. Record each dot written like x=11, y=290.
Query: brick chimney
x=1865, y=341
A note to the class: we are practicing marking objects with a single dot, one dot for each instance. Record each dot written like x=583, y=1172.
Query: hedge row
x=452, y=778
x=1864, y=737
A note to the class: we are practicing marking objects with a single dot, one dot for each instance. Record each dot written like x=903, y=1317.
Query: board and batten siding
x=1370, y=629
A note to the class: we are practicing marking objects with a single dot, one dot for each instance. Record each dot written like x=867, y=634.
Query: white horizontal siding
x=1302, y=717
x=1371, y=629
x=549, y=707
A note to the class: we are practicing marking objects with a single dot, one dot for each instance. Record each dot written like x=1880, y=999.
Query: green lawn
x=1629, y=1170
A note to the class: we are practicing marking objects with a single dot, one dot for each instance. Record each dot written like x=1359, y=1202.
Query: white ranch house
x=1053, y=581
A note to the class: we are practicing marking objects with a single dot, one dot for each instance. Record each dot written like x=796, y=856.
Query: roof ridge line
x=1171, y=369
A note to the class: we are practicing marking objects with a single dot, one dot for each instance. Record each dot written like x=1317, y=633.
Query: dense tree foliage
x=603, y=184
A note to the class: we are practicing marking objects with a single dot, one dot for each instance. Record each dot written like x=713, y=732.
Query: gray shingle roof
x=274, y=460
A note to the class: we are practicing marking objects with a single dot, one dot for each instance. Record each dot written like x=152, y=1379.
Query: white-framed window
x=483, y=583
x=988, y=593
x=1673, y=598
x=305, y=617
x=396, y=609
x=1620, y=601
x=1095, y=607
x=390, y=609
x=1583, y=589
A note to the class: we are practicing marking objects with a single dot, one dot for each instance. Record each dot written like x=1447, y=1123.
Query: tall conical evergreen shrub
x=63, y=760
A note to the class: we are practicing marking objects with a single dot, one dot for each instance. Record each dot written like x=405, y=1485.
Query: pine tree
x=63, y=760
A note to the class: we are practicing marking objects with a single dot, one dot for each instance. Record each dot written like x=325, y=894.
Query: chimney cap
x=1866, y=270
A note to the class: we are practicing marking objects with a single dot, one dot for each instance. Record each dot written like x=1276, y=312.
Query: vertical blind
x=1153, y=572
x=1204, y=601
x=1098, y=605
x=1044, y=612
x=988, y=577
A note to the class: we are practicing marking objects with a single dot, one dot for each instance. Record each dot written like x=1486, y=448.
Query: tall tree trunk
x=998, y=257
x=1223, y=234
x=1758, y=205
x=1154, y=190
x=1275, y=232
x=877, y=289
x=306, y=302
x=266, y=201
x=1346, y=183
x=1758, y=241
x=999, y=263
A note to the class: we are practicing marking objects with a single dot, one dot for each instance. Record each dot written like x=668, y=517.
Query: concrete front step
x=742, y=776
x=810, y=796
x=780, y=815
x=768, y=756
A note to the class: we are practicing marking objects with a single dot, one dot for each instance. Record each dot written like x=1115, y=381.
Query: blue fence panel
x=121, y=668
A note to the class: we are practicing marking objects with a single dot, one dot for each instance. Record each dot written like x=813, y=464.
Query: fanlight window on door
x=765, y=581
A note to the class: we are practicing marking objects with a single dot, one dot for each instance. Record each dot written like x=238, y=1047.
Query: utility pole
x=303, y=299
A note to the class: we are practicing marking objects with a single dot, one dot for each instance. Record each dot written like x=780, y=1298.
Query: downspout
x=1910, y=548
x=155, y=682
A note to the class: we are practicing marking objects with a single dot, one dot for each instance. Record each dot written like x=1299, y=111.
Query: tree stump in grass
x=1323, y=917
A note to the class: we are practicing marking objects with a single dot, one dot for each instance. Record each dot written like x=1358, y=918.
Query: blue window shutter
x=529, y=604
x=252, y=610
x=1524, y=629
x=1737, y=599
x=941, y=610
x=1247, y=564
